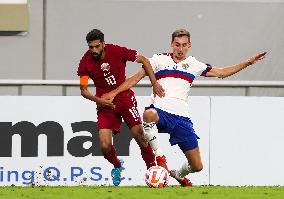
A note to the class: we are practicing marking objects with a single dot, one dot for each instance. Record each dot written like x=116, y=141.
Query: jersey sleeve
x=154, y=62
x=127, y=54
x=82, y=68
x=202, y=68
x=208, y=68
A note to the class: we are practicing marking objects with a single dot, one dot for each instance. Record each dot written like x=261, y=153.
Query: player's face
x=180, y=47
x=97, y=48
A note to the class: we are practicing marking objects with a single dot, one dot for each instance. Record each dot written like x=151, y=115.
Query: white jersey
x=176, y=79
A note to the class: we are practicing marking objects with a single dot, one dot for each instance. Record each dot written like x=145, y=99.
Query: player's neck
x=178, y=59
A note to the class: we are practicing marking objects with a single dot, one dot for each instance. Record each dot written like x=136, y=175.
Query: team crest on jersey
x=105, y=66
x=185, y=66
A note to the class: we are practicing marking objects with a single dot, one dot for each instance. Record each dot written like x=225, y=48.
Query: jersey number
x=110, y=80
x=134, y=112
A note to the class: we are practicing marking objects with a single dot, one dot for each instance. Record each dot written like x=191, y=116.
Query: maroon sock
x=148, y=156
x=112, y=157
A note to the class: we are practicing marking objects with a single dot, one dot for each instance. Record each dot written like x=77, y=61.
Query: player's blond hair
x=180, y=33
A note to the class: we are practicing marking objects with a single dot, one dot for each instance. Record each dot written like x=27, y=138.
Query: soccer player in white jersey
x=175, y=72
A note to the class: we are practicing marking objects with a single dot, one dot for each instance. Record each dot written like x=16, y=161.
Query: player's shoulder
x=163, y=56
x=110, y=47
x=87, y=56
x=87, y=53
x=113, y=47
x=191, y=59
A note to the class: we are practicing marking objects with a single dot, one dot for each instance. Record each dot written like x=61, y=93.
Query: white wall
x=241, y=142
x=246, y=145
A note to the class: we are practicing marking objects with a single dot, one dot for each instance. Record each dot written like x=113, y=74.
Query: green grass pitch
x=170, y=192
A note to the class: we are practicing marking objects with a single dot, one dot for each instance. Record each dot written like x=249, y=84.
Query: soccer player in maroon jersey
x=105, y=65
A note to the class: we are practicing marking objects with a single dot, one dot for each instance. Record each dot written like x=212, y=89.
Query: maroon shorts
x=125, y=108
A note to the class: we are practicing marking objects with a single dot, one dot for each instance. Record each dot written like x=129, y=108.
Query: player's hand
x=158, y=90
x=256, y=58
x=105, y=103
x=108, y=96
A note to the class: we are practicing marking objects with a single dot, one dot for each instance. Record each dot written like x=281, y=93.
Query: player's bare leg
x=151, y=118
x=109, y=152
x=194, y=160
x=146, y=150
x=105, y=136
x=193, y=164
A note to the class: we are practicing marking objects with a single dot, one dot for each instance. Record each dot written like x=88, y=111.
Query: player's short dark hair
x=180, y=33
x=95, y=34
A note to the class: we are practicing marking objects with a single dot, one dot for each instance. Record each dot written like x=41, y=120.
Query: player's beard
x=97, y=56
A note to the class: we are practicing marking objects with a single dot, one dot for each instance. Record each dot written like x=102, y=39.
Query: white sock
x=184, y=170
x=151, y=134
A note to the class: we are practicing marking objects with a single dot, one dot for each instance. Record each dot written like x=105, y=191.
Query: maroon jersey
x=107, y=73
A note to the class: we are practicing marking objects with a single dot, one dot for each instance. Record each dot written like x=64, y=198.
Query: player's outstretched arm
x=157, y=88
x=130, y=82
x=230, y=70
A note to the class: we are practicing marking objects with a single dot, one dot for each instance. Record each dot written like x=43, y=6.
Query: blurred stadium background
x=50, y=44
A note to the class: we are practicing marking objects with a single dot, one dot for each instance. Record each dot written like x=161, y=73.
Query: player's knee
x=137, y=131
x=150, y=115
x=197, y=167
x=105, y=147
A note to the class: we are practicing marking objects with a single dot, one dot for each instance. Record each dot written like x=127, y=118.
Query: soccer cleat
x=184, y=182
x=116, y=174
x=162, y=161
